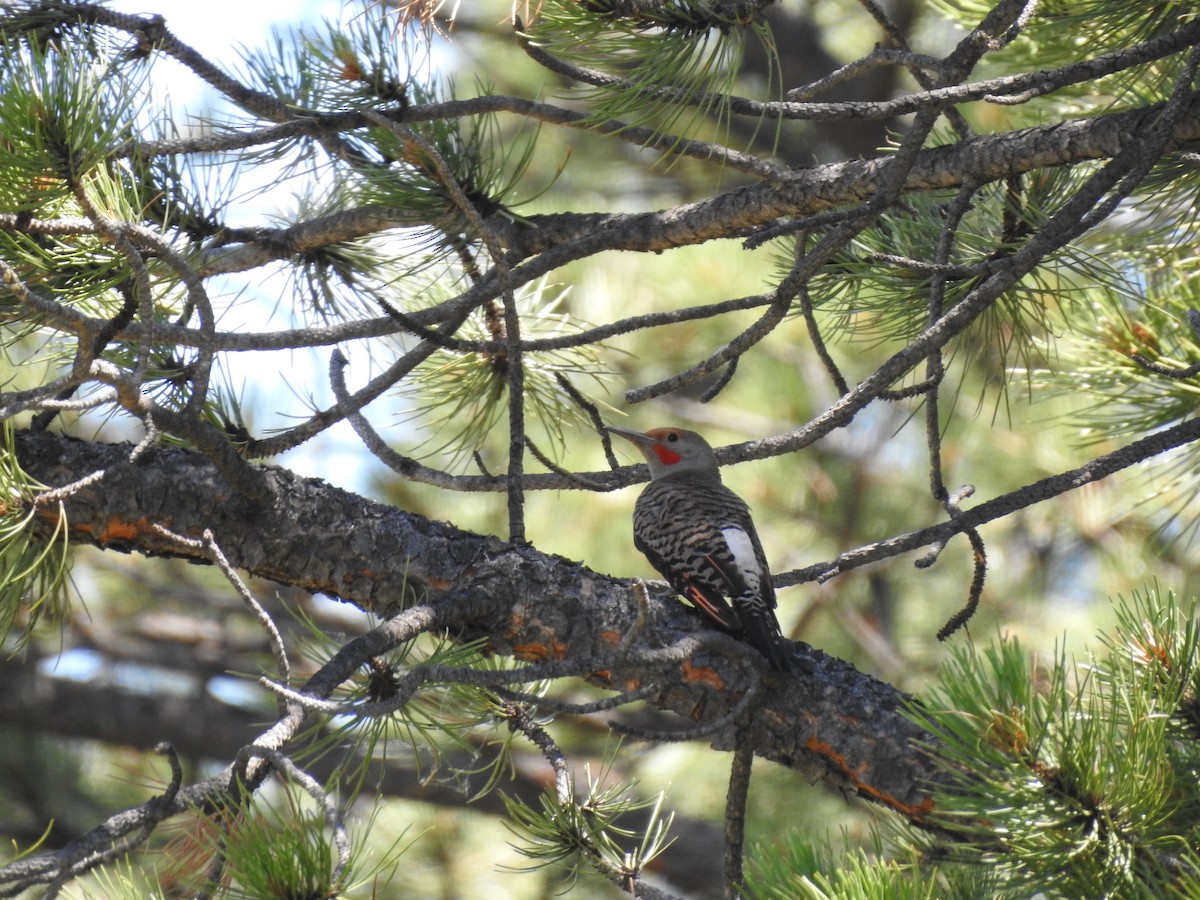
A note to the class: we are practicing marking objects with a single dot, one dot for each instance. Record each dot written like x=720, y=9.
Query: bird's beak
x=633, y=436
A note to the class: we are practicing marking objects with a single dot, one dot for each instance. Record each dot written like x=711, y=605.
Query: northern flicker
x=699, y=535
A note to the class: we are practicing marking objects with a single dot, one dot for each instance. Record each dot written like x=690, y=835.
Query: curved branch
x=998, y=507
x=1024, y=86
x=741, y=210
x=826, y=718
x=96, y=846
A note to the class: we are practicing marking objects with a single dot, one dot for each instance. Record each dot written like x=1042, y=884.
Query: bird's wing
x=706, y=596
x=712, y=602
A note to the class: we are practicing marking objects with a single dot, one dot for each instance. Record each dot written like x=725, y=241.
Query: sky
x=218, y=29
x=215, y=27
x=274, y=390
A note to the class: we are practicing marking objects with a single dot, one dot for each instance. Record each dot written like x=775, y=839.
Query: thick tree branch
x=564, y=237
x=812, y=190
x=827, y=719
x=742, y=210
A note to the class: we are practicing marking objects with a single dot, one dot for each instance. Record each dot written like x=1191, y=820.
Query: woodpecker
x=699, y=535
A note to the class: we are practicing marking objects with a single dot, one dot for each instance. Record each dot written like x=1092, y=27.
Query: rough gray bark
x=826, y=719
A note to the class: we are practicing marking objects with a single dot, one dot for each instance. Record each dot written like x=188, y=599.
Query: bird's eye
x=672, y=436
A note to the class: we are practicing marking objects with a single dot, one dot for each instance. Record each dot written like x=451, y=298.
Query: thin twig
x=918, y=70
x=210, y=548
x=1193, y=318
x=959, y=619
x=878, y=57
x=702, y=730
x=721, y=383
x=514, y=361
x=627, y=878
x=935, y=368
x=565, y=707
x=1101, y=467
x=735, y=813
x=349, y=408
x=550, y=464
x=333, y=813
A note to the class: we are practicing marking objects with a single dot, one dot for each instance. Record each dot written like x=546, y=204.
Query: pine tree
x=197, y=302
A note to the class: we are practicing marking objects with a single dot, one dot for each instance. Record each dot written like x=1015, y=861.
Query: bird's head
x=670, y=450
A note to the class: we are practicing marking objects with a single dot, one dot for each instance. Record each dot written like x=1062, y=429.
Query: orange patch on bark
x=539, y=652
x=536, y=652
x=821, y=748
x=693, y=673
x=120, y=530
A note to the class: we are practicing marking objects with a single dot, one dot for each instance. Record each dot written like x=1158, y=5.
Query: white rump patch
x=742, y=548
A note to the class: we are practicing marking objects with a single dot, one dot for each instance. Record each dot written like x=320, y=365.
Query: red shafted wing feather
x=715, y=605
